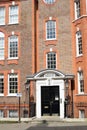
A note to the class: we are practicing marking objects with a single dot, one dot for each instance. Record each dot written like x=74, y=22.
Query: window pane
x=1, y=45
x=13, y=83
x=51, y=60
x=81, y=114
x=13, y=47
x=79, y=43
x=81, y=82
x=77, y=9
x=49, y=1
x=51, y=30
x=1, y=113
x=13, y=14
x=2, y=15
x=13, y=113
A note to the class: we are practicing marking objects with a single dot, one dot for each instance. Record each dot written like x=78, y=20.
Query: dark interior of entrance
x=50, y=100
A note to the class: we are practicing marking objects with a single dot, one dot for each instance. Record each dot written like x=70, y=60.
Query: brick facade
x=33, y=47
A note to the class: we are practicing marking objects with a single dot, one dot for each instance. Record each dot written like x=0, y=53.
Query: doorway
x=50, y=104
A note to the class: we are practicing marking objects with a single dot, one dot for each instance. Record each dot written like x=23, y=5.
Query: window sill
x=1, y=95
x=79, y=56
x=79, y=18
x=81, y=94
x=2, y=24
x=12, y=95
x=13, y=58
x=13, y=23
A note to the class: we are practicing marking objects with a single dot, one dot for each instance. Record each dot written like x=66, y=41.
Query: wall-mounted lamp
x=66, y=83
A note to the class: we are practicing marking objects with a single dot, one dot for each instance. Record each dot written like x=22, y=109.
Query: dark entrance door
x=50, y=100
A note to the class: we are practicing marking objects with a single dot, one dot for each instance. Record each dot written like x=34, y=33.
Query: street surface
x=44, y=126
x=59, y=128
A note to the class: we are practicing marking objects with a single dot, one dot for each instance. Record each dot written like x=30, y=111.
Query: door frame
x=40, y=83
x=48, y=105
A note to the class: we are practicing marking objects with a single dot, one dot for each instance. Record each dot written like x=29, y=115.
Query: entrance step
x=46, y=120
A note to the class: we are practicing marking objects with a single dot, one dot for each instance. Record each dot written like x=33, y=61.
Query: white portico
x=50, y=95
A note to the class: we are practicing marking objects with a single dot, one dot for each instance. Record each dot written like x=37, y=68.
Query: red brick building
x=43, y=58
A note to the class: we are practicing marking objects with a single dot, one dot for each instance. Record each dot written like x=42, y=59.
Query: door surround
x=49, y=77
x=40, y=83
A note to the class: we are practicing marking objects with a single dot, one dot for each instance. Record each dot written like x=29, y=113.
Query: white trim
x=37, y=75
x=47, y=39
x=82, y=16
x=54, y=83
x=3, y=15
x=79, y=92
x=11, y=21
x=77, y=43
x=75, y=10
x=13, y=75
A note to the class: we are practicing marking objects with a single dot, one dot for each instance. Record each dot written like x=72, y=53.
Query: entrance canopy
x=49, y=73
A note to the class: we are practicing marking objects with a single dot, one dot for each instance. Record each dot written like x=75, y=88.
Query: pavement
x=47, y=122
x=46, y=119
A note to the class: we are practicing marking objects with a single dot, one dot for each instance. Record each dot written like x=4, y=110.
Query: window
x=1, y=114
x=1, y=46
x=13, y=84
x=49, y=1
x=2, y=15
x=80, y=82
x=77, y=9
x=51, y=60
x=13, y=14
x=81, y=114
x=50, y=30
x=1, y=84
x=13, y=113
x=13, y=47
x=79, y=43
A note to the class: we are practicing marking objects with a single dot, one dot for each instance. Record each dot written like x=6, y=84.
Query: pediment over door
x=49, y=73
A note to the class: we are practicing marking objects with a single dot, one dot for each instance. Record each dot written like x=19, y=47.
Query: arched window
x=13, y=47
x=2, y=45
x=51, y=60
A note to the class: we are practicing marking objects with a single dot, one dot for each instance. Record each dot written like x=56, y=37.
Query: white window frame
x=50, y=29
x=2, y=15
x=78, y=42
x=13, y=114
x=81, y=113
x=50, y=60
x=2, y=45
x=13, y=15
x=49, y=1
x=13, y=40
x=2, y=77
x=77, y=9
x=80, y=78
x=12, y=76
